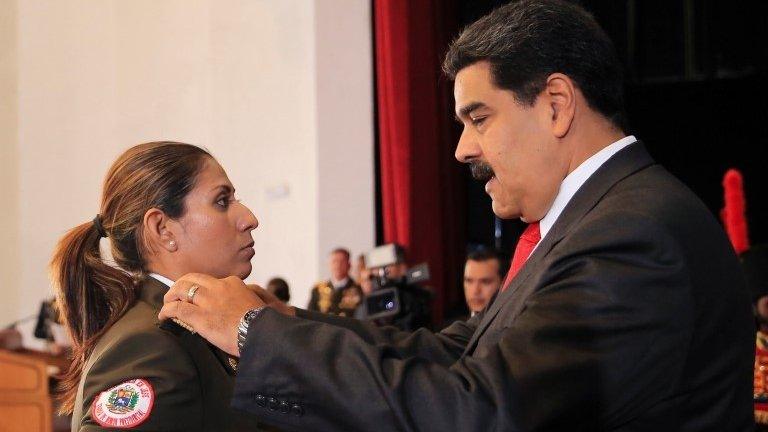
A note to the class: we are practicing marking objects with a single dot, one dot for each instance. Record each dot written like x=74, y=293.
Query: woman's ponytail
x=91, y=296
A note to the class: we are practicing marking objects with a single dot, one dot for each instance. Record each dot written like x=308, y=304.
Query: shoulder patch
x=125, y=405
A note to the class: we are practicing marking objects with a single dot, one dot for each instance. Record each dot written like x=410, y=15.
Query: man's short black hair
x=483, y=253
x=527, y=40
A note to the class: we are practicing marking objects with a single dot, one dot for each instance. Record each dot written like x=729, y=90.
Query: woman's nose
x=248, y=221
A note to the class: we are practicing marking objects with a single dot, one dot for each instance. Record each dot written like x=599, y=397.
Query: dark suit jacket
x=192, y=380
x=631, y=315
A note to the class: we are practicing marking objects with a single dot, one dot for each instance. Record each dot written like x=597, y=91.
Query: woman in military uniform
x=167, y=209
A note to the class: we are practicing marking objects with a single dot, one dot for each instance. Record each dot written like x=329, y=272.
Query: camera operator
x=397, y=298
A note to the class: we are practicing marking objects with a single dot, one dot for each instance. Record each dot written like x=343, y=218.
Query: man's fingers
x=184, y=311
x=180, y=290
x=265, y=295
x=271, y=300
x=177, y=291
x=255, y=287
x=261, y=292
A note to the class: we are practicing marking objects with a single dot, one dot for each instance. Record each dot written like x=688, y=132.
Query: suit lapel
x=626, y=162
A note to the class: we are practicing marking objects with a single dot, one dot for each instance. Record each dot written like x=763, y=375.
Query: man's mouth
x=481, y=171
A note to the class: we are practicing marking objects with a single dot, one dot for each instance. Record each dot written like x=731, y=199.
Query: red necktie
x=528, y=241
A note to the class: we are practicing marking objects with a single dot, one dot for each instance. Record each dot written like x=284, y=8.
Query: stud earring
x=172, y=244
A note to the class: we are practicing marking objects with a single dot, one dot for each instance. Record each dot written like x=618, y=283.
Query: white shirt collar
x=162, y=279
x=573, y=182
x=340, y=283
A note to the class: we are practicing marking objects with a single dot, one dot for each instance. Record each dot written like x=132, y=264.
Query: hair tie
x=99, y=226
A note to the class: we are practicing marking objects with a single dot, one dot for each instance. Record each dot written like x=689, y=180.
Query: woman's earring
x=172, y=244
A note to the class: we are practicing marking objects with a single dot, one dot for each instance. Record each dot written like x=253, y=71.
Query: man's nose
x=467, y=148
x=475, y=288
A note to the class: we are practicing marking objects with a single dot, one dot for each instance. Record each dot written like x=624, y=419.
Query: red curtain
x=422, y=187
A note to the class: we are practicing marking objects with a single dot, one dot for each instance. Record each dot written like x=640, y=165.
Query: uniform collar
x=153, y=290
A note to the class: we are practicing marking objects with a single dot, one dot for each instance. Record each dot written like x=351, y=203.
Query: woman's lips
x=248, y=250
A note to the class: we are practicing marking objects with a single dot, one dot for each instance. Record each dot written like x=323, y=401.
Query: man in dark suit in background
x=625, y=307
x=482, y=278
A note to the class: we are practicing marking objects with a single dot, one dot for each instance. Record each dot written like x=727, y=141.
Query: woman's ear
x=157, y=231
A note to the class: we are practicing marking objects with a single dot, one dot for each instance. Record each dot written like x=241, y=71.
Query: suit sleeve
x=163, y=363
x=608, y=318
x=444, y=347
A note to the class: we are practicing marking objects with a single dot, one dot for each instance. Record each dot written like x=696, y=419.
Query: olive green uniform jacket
x=192, y=381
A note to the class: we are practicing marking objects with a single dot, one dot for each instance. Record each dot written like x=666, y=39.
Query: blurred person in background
x=339, y=295
x=279, y=287
x=482, y=278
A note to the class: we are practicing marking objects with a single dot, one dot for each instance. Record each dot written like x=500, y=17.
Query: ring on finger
x=191, y=293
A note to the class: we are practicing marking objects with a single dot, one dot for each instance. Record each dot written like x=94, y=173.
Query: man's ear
x=561, y=93
x=157, y=231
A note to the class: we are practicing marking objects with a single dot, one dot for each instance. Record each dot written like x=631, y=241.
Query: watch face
x=242, y=328
x=249, y=316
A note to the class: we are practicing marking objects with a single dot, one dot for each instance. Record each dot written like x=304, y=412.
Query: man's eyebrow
x=465, y=110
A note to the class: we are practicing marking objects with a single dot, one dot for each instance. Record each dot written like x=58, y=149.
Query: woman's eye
x=225, y=201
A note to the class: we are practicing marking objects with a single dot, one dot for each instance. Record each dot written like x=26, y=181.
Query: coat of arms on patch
x=125, y=405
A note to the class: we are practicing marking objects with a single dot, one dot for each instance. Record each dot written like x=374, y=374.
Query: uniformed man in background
x=339, y=295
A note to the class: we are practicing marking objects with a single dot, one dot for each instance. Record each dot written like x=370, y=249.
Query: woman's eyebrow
x=225, y=188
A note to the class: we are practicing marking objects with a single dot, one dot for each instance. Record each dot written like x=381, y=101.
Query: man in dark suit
x=624, y=309
x=482, y=278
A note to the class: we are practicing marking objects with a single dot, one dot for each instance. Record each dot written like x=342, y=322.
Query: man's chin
x=504, y=211
x=476, y=307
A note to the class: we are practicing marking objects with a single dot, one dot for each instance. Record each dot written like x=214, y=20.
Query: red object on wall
x=421, y=199
x=733, y=214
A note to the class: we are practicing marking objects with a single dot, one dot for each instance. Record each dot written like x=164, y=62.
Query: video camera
x=390, y=284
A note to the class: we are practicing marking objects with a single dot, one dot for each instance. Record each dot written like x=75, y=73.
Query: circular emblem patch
x=125, y=405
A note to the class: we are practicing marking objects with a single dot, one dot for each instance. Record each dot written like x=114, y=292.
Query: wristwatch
x=242, y=328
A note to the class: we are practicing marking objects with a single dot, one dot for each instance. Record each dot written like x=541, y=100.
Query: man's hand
x=272, y=301
x=216, y=308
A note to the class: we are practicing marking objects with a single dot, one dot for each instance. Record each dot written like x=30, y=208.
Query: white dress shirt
x=339, y=284
x=576, y=179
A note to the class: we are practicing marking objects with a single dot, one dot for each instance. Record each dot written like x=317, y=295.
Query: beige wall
x=9, y=186
x=344, y=126
x=253, y=81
